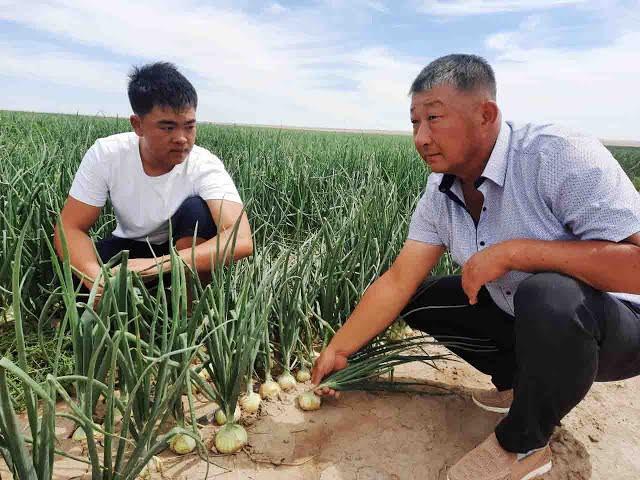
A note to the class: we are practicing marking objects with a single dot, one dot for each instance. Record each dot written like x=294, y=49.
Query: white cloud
x=377, y=6
x=246, y=70
x=477, y=7
x=296, y=69
x=276, y=9
x=592, y=90
x=532, y=31
x=44, y=62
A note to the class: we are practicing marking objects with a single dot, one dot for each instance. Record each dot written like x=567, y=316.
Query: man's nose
x=423, y=135
x=181, y=137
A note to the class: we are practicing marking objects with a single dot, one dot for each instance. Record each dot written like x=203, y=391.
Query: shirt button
x=482, y=244
x=508, y=292
x=484, y=209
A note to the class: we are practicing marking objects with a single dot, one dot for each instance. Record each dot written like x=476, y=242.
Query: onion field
x=329, y=212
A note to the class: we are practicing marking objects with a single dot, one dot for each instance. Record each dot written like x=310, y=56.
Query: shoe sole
x=531, y=475
x=538, y=472
x=489, y=408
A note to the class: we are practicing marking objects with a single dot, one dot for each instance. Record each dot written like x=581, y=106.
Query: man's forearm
x=606, y=266
x=81, y=254
x=208, y=253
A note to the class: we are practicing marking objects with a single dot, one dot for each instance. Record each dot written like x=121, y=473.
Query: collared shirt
x=540, y=182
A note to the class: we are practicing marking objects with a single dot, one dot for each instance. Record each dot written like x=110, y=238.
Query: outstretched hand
x=328, y=361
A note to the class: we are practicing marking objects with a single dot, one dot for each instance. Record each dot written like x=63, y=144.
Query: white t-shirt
x=143, y=205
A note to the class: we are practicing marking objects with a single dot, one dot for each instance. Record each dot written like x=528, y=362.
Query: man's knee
x=547, y=306
x=193, y=217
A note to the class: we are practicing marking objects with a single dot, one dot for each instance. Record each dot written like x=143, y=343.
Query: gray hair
x=466, y=73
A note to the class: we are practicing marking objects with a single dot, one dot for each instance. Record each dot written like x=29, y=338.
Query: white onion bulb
x=221, y=418
x=269, y=390
x=230, y=438
x=154, y=466
x=308, y=401
x=182, y=444
x=395, y=333
x=80, y=435
x=250, y=403
x=286, y=381
x=303, y=375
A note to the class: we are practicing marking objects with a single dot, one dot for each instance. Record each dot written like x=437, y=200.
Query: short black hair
x=462, y=71
x=159, y=84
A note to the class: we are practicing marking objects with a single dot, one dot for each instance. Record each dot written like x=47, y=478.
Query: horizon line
x=605, y=141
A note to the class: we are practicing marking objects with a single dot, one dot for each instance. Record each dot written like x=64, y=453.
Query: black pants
x=194, y=210
x=564, y=336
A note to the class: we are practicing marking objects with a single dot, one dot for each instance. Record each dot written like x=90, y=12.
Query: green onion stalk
x=303, y=308
x=293, y=313
x=287, y=288
x=38, y=463
x=144, y=346
x=269, y=390
x=250, y=401
x=380, y=357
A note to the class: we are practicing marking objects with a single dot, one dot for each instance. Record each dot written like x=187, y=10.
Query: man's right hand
x=380, y=305
x=329, y=361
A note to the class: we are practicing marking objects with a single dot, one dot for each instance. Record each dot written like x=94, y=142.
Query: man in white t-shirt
x=154, y=175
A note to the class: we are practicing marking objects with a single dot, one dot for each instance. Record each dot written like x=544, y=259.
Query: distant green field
x=629, y=158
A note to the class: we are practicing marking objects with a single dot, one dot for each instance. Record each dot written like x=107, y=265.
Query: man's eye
x=167, y=129
x=432, y=117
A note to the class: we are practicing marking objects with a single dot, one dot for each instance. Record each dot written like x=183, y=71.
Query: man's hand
x=484, y=267
x=328, y=361
x=147, y=267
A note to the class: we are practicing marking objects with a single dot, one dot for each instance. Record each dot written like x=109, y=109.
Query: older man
x=546, y=227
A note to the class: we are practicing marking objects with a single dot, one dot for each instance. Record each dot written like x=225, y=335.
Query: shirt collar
x=496, y=167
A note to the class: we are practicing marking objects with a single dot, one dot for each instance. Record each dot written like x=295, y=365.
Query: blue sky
x=327, y=63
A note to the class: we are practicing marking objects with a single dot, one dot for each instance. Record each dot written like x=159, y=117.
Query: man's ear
x=136, y=123
x=490, y=112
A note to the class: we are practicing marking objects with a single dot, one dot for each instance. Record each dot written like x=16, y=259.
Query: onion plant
x=380, y=357
x=287, y=293
x=111, y=351
x=38, y=463
x=236, y=311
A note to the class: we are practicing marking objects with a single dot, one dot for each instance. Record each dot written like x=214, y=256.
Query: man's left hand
x=147, y=267
x=485, y=266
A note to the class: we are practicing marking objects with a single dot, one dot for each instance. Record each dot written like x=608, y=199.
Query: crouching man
x=546, y=227
x=151, y=176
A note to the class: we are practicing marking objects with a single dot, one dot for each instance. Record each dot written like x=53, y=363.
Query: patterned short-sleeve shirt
x=541, y=182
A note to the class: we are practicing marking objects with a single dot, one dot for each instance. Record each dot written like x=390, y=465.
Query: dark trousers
x=564, y=336
x=193, y=211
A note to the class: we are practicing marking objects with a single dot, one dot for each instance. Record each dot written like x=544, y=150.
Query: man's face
x=444, y=128
x=167, y=136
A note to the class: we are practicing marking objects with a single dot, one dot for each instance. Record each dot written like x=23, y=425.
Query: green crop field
x=329, y=212
x=292, y=182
